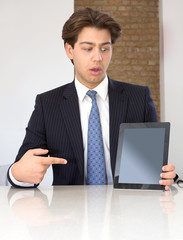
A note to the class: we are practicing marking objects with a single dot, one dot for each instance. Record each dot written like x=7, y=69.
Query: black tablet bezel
x=123, y=126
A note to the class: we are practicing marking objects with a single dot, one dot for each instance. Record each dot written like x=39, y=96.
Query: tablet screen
x=142, y=151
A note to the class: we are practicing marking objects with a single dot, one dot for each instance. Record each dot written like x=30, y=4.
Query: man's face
x=91, y=55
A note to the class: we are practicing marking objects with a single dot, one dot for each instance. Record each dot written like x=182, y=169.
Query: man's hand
x=167, y=175
x=32, y=167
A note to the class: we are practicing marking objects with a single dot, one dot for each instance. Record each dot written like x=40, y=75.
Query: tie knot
x=92, y=94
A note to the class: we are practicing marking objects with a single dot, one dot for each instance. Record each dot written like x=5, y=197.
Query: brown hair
x=89, y=18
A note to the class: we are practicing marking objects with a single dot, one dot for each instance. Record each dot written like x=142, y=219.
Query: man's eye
x=87, y=49
x=104, y=49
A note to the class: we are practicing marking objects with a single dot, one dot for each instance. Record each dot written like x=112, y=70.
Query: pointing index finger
x=53, y=160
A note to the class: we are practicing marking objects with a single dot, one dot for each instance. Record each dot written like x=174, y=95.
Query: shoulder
x=125, y=85
x=57, y=94
x=58, y=91
x=128, y=88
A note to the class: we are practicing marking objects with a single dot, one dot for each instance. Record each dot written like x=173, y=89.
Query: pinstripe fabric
x=55, y=125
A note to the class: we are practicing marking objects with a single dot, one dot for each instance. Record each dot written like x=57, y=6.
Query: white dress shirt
x=85, y=104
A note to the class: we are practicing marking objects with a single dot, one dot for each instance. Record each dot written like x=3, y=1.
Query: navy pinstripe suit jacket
x=55, y=125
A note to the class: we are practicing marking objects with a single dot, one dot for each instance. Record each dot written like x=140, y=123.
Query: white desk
x=90, y=212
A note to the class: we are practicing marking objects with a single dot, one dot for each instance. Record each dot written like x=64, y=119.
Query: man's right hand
x=32, y=167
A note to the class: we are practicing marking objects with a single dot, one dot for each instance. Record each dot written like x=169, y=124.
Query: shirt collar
x=101, y=89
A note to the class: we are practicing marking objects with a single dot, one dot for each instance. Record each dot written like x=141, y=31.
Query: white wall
x=32, y=60
x=171, y=20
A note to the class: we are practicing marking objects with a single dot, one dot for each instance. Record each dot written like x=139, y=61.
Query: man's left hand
x=167, y=175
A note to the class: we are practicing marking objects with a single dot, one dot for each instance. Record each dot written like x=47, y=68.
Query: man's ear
x=69, y=50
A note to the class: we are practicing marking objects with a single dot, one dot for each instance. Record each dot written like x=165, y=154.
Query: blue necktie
x=95, y=159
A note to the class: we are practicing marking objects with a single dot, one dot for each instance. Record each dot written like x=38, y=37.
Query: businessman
x=61, y=131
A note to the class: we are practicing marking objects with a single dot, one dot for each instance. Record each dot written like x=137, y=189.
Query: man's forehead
x=94, y=35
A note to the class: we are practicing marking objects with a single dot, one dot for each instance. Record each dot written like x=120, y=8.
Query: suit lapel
x=70, y=112
x=118, y=101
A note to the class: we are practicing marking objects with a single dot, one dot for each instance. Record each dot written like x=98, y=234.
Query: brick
x=98, y=2
x=109, y=8
x=152, y=3
x=125, y=14
x=135, y=3
x=125, y=2
x=134, y=38
x=134, y=14
x=114, y=2
x=122, y=8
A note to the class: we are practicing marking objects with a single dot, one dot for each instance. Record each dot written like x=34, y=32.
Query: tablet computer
x=141, y=153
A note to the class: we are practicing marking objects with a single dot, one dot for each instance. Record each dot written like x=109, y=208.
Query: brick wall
x=136, y=54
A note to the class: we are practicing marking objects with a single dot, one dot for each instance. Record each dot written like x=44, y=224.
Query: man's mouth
x=96, y=70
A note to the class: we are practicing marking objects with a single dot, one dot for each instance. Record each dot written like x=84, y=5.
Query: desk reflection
x=49, y=219
x=140, y=213
x=91, y=212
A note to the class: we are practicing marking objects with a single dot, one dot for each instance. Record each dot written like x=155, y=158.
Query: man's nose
x=97, y=55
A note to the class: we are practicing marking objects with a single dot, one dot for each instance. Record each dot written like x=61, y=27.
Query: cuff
x=16, y=183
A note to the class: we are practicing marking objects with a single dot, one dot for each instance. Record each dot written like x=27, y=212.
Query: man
x=58, y=127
